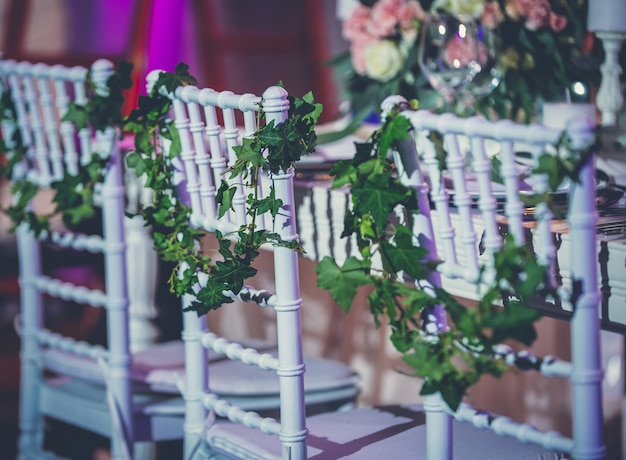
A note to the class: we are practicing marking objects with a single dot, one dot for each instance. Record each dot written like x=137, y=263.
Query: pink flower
x=358, y=55
x=537, y=14
x=557, y=22
x=492, y=15
x=409, y=12
x=460, y=52
x=384, y=19
x=355, y=27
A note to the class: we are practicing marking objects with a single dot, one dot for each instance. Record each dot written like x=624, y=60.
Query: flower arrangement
x=543, y=49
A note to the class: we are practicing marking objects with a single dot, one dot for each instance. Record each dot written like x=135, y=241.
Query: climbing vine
x=272, y=147
x=74, y=194
x=452, y=359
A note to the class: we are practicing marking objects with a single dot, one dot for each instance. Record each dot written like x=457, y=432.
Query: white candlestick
x=556, y=115
x=607, y=16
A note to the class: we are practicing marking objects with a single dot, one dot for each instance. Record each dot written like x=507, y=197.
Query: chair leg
x=145, y=451
x=438, y=429
x=30, y=418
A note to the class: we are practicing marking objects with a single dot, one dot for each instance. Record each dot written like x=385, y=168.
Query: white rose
x=383, y=60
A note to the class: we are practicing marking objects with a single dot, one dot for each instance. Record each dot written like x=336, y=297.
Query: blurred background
x=249, y=44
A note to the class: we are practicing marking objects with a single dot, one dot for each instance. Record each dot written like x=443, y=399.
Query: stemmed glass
x=457, y=56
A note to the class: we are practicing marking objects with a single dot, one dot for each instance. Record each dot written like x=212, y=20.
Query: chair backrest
x=57, y=150
x=463, y=214
x=207, y=122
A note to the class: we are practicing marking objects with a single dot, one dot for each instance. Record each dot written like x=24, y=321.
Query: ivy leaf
x=363, y=151
x=171, y=81
x=74, y=216
x=269, y=204
x=76, y=114
x=313, y=109
x=514, y=321
x=379, y=196
x=232, y=273
x=403, y=255
x=224, y=246
x=136, y=162
x=248, y=154
x=171, y=133
x=549, y=165
x=396, y=129
x=344, y=173
x=224, y=198
x=210, y=297
x=342, y=282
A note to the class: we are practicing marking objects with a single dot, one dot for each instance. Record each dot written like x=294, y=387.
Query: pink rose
x=535, y=12
x=460, y=52
x=409, y=12
x=383, y=18
x=355, y=27
x=492, y=15
x=537, y=18
x=557, y=22
x=358, y=55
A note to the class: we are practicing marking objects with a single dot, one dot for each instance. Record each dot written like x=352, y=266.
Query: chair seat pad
x=162, y=367
x=395, y=432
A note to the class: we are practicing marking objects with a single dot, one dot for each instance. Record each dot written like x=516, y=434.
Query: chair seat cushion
x=395, y=432
x=162, y=365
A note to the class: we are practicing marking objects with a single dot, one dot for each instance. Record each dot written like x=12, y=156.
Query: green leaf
x=224, y=198
x=232, y=273
x=403, y=255
x=76, y=114
x=342, y=282
x=180, y=77
x=379, y=197
x=210, y=297
x=136, y=162
x=269, y=204
x=396, y=129
x=344, y=173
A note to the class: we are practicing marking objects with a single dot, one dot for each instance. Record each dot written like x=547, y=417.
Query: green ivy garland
x=375, y=192
x=73, y=194
x=450, y=361
x=272, y=147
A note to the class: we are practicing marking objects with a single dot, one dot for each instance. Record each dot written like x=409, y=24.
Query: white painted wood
x=41, y=95
x=585, y=371
x=198, y=111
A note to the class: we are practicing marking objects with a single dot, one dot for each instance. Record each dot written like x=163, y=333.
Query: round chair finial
x=101, y=71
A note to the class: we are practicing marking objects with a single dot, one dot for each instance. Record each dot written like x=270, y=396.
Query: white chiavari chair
x=431, y=430
x=82, y=382
x=249, y=380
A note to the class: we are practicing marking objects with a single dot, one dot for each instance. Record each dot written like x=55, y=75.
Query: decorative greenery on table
x=544, y=49
x=272, y=147
x=73, y=194
x=449, y=360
